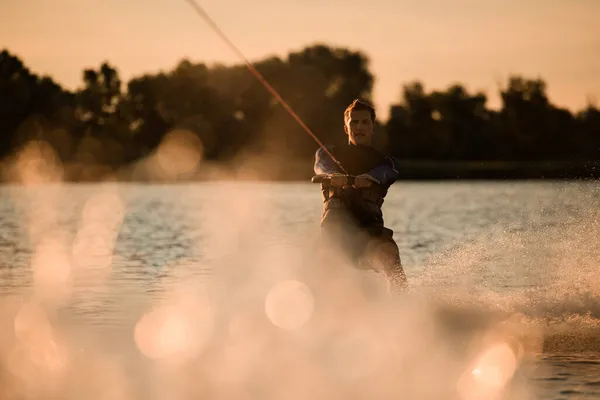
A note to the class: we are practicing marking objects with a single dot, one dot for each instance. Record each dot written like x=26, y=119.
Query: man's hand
x=364, y=181
x=338, y=180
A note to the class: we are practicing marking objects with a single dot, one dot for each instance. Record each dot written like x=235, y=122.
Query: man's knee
x=384, y=256
x=389, y=255
x=393, y=267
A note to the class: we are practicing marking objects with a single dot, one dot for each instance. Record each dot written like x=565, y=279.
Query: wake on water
x=482, y=327
x=549, y=290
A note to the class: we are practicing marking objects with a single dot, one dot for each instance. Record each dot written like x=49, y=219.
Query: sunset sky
x=474, y=42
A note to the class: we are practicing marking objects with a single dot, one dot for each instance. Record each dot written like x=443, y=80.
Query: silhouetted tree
x=104, y=134
x=460, y=122
x=110, y=124
x=527, y=119
x=318, y=82
x=586, y=135
x=411, y=127
x=32, y=107
x=454, y=125
x=322, y=82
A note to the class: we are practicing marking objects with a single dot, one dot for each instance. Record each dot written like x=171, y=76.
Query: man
x=352, y=218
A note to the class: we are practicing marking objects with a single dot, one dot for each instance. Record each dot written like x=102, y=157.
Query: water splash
x=271, y=320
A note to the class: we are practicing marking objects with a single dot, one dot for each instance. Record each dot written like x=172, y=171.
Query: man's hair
x=359, y=105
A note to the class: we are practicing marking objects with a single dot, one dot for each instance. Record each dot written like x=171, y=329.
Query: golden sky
x=439, y=42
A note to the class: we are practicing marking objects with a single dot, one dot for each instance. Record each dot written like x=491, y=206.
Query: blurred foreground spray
x=269, y=322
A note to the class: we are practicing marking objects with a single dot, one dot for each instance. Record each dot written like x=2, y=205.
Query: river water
x=213, y=291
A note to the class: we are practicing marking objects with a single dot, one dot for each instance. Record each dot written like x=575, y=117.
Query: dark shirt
x=357, y=160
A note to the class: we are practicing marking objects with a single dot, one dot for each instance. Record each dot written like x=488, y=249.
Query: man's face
x=359, y=127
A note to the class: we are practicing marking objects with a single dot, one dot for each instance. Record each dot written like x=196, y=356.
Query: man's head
x=359, y=122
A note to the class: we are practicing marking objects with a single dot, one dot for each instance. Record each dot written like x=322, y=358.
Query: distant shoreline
x=499, y=170
x=270, y=170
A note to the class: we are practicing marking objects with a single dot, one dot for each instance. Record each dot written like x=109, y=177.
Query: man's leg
x=390, y=256
x=340, y=231
x=384, y=256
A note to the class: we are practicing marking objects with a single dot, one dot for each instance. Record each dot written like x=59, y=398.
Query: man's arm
x=324, y=164
x=386, y=173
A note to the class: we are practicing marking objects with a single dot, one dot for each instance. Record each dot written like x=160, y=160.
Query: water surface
x=211, y=290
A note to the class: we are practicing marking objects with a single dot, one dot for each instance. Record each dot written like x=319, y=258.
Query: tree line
x=115, y=124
